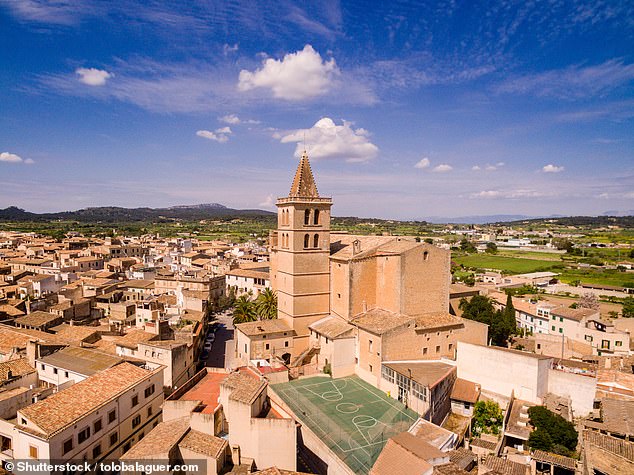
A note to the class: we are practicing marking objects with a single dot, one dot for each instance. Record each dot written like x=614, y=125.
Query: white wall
x=579, y=388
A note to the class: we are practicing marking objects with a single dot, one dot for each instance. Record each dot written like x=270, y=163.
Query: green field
x=353, y=419
x=509, y=265
x=592, y=276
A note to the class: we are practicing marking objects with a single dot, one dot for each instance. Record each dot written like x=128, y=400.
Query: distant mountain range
x=113, y=214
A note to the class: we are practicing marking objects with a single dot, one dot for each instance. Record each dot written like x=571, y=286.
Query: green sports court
x=352, y=417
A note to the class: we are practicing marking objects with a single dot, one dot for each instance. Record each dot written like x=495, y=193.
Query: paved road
x=222, y=351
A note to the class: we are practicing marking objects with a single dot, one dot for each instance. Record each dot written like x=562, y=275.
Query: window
x=245, y=347
x=68, y=446
x=450, y=346
x=32, y=452
x=114, y=438
x=316, y=240
x=561, y=330
x=553, y=327
x=127, y=446
x=588, y=338
x=149, y=390
x=136, y=421
x=66, y=374
x=605, y=344
x=96, y=451
x=618, y=343
x=83, y=435
x=425, y=255
x=141, y=435
x=306, y=241
x=387, y=374
x=54, y=370
x=370, y=345
x=135, y=400
x=307, y=217
x=112, y=415
x=438, y=349
x=149, y=411
x=43, y=367
x=97, y=426
x=424, y=351
x=267, y=346
x=370, y=367
x=286, y=344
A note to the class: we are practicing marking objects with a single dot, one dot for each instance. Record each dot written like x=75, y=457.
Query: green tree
x=492, y=248
x=487, y=417
x=479, y=308
x=266, y=304
x=510, y=322
x=551, y=427
x=501, y=323
x=467, y=246
x=628, y=307
x=244, y=310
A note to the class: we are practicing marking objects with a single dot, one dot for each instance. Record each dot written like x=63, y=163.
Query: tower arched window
x=306, y=241
x=307, y=217
x=316, y=240
x=316, y=217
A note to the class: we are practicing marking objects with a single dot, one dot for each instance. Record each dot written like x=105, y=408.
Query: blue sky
x=408, y=110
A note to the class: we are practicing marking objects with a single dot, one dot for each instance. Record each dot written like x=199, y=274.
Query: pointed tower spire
x=304, y=183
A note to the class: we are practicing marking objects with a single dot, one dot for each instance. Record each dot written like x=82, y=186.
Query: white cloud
x=219, y=135
x=603, y=196
x=298, y=76
x=10, y=157
x=424, y=163
x=629, y=195
x=325, y=139
x=511, y=194
x=233, y=119
x=550, y=168
x=476, y=168
x=572, y=82
x=93, y=76
x=29, y=161
x=443, y=168
x=269, y=202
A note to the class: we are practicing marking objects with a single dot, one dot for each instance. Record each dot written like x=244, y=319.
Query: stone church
x=346, y=302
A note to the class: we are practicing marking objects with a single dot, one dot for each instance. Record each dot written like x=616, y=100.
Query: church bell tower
x=300, y=266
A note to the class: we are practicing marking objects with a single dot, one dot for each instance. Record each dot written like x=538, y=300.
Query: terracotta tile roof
x=204, y=444
x=555, y=459
x=263, y=327
x=397, y=458
x=617, y=416
x=613, y=445
x=244, y=388
x=505, y=467
x=462, y=457
x=75, y=332
x=134, y=337
x=160, y=440
x=19, y=367
x=485, y=444
x=464, y=390
x=576, y=314
x=248, y=273
x=37, y=319
x=426, y=373
x=341, y=245
x=332, y=327
x=11, y=339
x=449, y=469
x=379, y=321
x=64, y=408
x=435, y=320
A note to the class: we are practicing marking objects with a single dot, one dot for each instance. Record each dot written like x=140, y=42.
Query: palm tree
x=244, y=310
x=266, y=304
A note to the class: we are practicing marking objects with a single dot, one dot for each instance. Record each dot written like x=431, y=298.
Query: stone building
x=350, y=302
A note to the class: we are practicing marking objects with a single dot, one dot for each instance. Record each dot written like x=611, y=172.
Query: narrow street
x=222, y=350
